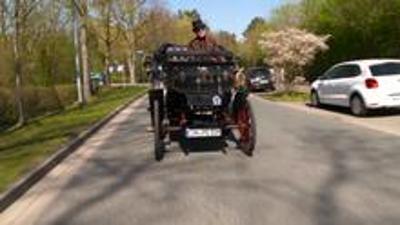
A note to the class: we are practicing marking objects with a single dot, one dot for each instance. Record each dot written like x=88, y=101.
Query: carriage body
x=193, y=97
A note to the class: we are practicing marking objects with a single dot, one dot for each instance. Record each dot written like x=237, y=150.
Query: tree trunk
x=3, y=17
x=290, y=76
x=85, y=61
x=18, y=83
x=18, y=65
x=107, y=61
x=131, y=68
x=108, y=46
x=107, y=71
x=78, y=78
x=280, y=79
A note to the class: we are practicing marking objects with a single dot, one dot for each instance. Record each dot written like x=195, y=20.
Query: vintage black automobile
x=194, y=100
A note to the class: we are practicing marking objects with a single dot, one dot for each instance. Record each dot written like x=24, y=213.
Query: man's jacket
x=206, y=43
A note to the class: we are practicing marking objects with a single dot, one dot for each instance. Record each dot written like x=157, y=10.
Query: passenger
x=202, y=41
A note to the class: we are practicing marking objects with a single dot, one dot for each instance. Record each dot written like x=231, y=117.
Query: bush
x=37, y=101
x=7, y=108
x=66, y=93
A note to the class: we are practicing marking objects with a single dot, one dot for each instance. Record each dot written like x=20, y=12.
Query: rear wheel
x=357, y=106
x=247, y=129
x=159, y=146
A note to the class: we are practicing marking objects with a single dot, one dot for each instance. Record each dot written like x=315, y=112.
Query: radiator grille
x=198, y=79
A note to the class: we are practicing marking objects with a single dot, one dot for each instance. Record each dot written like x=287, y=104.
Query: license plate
x=264, y=82
x=203, y=133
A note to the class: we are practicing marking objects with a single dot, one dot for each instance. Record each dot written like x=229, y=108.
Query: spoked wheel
x=159, y=146
x=247, y=129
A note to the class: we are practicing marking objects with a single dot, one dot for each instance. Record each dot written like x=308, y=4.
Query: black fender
x=239, y=100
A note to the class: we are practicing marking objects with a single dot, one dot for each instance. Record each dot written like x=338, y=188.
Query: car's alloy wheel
x=357, y=106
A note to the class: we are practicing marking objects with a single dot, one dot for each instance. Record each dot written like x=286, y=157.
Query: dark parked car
x=259, y=79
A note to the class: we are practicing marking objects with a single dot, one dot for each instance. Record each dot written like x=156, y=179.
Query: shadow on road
x=122, y=184
x=358, y=164
x=117, y=165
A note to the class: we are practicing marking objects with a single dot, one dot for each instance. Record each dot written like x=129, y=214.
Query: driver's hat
x=198, y=25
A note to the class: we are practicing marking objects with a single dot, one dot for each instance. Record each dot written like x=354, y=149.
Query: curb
x=24, y=184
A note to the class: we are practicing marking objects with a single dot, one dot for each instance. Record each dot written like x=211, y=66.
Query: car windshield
x=259, y=73
x=385, y=69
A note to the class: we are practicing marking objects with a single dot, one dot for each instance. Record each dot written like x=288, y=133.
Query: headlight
x=198, y=80
x=217, y=101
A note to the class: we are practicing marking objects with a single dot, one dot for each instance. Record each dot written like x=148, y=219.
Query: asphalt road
x=306, y=170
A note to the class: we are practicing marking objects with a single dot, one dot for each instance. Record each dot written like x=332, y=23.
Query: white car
x=360, y=85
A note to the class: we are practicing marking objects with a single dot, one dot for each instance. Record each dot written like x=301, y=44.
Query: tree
x=250, y=49
x=155, y=26
x=21, y=10
x=253, y=25
x=104, y=27
x=228, y=40
x=359, y=29
x=290, y=50
x=181, y=28
x=127, y=16
x=50, y=39
x=192, y=14
x=3, y=16
x=288, y=15
x=81, y=12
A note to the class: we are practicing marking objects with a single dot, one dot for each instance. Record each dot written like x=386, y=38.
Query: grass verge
x=288, y=96
x=23, y=149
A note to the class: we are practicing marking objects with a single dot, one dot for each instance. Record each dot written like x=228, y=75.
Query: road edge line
x=18, y=189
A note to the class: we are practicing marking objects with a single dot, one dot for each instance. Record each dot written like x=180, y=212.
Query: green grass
x=23, y=149
x=288, y=96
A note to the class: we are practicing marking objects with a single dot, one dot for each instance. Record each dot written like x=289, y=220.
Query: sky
x=228, y=15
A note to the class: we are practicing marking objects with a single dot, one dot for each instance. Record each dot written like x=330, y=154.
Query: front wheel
x=159, y=146
x=357, y=106
x=314, y=99
x=247, y=128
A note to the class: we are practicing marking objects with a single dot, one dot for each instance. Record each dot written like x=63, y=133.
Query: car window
x=259, y=73
x=385, y=69
x=349, y=71
x=330, y=74
x=344, y=71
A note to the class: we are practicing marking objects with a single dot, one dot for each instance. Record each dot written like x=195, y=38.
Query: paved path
x=307, y=170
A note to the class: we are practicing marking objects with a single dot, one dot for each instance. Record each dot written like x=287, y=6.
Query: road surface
x=306, y=170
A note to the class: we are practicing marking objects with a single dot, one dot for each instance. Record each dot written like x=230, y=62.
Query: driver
x=202, y=41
